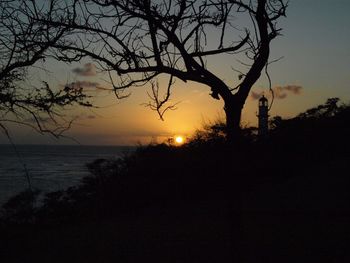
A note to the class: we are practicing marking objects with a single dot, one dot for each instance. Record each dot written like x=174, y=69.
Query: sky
x=315, y=65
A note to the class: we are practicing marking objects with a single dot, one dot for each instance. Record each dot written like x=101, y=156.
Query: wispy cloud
x=280, y=92
x=295, y=89
x=255, y=95
x=91, y=117
x=86, y=85
x=87, y=70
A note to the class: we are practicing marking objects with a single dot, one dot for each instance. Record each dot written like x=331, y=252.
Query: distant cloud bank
x=88, y=70
x=280, y=92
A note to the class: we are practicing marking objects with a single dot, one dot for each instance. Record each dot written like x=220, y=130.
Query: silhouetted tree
x=23, y=42
x=328, y=109
x=139, y=40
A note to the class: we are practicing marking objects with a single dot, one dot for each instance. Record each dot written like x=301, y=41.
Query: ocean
x=50, y=167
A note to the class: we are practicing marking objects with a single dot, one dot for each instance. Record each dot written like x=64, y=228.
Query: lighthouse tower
x=263, y=117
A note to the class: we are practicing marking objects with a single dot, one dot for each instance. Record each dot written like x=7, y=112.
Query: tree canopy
x=137, y=41
x=24, y=42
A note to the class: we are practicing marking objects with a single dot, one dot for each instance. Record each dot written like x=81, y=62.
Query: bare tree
x=139, y=40
x=23, y=42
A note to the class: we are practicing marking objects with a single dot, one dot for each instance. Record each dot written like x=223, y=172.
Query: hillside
x=284, y=198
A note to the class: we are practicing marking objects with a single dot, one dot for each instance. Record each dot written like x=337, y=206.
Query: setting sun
x=179, y=139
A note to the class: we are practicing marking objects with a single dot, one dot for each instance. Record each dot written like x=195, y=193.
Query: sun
x=179, y=139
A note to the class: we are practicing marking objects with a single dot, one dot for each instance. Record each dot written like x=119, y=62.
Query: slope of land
x=284, y=198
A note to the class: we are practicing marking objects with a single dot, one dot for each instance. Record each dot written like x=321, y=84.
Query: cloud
x=256, y=95
x=87, y=70
x=280, y=92
x=86, y=85
x=295, y=89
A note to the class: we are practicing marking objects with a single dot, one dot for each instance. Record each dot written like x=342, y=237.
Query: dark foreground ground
x=291, y=221
x=282, y=200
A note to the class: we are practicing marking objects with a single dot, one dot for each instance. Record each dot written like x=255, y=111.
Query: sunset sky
x=315, y=46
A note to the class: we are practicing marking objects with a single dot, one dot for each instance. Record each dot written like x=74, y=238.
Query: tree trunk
x=233, y=110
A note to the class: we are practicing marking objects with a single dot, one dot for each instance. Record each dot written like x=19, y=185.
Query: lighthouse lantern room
x=263, y=117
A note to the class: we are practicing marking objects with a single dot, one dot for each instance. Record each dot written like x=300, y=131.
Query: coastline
x=50, y=167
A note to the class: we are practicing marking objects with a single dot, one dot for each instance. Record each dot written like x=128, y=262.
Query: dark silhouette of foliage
x=164, y=172
x=276, y=197
x=20, y=209
x=23, y=43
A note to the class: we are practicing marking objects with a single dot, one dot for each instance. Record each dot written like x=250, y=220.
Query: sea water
x=49, y=167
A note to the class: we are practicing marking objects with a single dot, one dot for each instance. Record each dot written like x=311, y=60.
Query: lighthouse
x=263, y=117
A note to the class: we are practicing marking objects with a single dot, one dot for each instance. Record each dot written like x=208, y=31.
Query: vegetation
x=289, y=189
x=137, y=41
x=23, y=44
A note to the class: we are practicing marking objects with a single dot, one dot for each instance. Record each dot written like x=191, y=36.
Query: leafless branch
x=157, y=103
x=139, y=40
x=25, y=41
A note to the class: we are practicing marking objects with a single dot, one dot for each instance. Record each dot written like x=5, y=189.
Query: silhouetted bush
x=20, y=209
x=206, y=167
